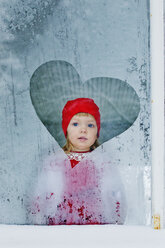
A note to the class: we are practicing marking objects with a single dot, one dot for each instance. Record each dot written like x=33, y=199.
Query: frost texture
x=18, y=15
x=21, y=21
x=89, y=193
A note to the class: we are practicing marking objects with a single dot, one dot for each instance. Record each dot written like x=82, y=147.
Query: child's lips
x=82, y=138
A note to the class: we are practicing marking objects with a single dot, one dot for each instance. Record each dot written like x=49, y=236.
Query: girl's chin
x=82, y=140
x=81, y=149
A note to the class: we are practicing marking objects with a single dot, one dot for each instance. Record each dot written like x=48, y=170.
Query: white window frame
x=157, y=96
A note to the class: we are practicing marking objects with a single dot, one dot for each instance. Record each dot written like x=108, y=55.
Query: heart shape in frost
x=55, y=82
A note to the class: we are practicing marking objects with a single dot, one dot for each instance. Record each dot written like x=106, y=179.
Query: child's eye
x=90, y=125
x=75, y=124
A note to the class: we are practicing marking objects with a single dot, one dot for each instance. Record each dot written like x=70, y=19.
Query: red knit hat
x=79, y=105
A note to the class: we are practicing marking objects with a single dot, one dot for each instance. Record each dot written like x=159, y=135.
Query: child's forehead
x=83, y=117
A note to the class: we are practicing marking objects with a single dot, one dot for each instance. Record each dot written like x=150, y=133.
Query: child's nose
x=83, y=129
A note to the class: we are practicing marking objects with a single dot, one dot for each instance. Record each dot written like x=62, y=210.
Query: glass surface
x=100, y=39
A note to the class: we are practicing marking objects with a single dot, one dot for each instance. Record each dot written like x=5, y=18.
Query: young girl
x=79, y=185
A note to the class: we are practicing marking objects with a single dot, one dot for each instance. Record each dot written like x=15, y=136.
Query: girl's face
x=82, y=132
